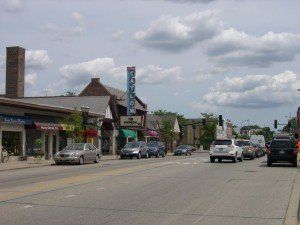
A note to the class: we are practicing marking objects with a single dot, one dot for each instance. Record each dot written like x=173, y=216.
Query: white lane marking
x=70, y=196
x=195, y=163
x=100, y=189
x=186, y=163
x=145, y=177
x=26, y=206
x=177, y=162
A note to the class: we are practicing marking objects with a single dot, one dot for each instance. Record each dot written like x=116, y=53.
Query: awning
x=46, y=123
x=127, y=133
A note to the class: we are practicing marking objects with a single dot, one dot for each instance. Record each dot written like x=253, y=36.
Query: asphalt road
x=172, y=190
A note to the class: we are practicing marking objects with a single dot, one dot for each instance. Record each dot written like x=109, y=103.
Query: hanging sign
x=130, y=91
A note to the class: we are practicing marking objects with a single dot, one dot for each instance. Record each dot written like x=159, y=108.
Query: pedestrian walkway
x=31, y=163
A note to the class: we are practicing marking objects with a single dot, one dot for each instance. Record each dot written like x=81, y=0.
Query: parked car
x=136, y=149
x=156, y=148
x=259, y=151
x=78, y=153
x=249, y=151
x=193, y=148
x=183, y=150
x=225, y=149
x=282, y=150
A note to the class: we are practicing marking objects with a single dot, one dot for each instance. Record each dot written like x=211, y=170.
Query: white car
x=225, y=149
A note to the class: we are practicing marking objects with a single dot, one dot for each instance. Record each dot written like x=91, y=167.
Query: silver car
x=78, y=153
x=136, y=149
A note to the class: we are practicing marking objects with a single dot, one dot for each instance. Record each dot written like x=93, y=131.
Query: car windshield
x=282, y=144
x=222, y=142
x=243, y=143
x=152, y=144
x=76, y=147
x=132, y=145
x=182, y=146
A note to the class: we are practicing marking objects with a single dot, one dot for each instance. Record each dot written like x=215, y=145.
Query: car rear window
x=243, y=143
x=282, y=144
x=222, y=142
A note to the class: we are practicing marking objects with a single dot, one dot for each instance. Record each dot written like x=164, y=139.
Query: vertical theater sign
x=130, y=91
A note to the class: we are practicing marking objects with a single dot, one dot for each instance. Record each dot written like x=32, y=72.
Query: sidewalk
x=15, y=165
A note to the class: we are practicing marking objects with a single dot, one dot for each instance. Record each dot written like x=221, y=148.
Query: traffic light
x=275, y=124
x=220, y=120
x=204, y=122
x=181, y=134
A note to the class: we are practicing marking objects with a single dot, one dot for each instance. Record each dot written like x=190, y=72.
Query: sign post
x=130, y=91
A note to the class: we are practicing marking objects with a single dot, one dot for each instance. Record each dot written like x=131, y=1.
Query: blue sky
x=230, y=57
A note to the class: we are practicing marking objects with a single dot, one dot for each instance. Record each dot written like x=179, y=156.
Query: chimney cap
x=96, y=80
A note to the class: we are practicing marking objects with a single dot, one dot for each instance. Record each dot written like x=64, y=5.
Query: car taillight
x=295, y=151
x=268, y=150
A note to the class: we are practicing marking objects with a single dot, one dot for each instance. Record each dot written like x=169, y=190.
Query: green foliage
x=208, y=132
x=166, y=132
x=74, y=119
x=38, y=143
x=181, y=119
x=234, y=132
x=267, y=133
x=293, y=127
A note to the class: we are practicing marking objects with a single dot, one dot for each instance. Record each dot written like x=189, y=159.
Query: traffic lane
x=30, y=175
x=179, y=195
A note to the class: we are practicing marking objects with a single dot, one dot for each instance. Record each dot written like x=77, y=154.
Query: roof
x=122, y=96
x=152, y=120
x=97, y=104
x=21, y=103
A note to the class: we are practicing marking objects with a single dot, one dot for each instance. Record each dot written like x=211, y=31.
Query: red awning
x=153, y=133
x=46, y=123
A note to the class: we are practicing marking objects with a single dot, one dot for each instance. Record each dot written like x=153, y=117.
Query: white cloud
x=79, y=74
x=235, y=48
x=118, y=35
x=255, y=91
x=157, y=75
x=37, y=59
x=191, y=1
x=31, y=79
x=11, y=6
x=67, y=33
x=176, y=34
x=203, y=107
x=206, y=75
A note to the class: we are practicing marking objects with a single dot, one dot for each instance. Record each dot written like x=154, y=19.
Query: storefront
x=151, y=135
x=13, y=134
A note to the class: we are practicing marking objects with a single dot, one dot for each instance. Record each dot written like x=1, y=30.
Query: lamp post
x=85, y=117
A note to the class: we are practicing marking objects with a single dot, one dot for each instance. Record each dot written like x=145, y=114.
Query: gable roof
x=154, y=120
x=97, y=104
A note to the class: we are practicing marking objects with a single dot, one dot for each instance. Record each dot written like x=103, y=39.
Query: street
x=171, y=190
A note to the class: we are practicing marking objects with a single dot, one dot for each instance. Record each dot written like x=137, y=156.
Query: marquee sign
x=131, y=121
x=130, y=91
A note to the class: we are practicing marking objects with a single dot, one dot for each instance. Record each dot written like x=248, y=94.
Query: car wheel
x=269, y=163
x=121, y=157
x=57, y=163
x=157, y=156
x=295, y=163
x=212, y=159
x=234, y=160
x=81, y=160
x=186, y=154
x=219, y=160
x=138, y=156
x=190, y=153
x=163, y=155
x=96, y=159
x=241, y=158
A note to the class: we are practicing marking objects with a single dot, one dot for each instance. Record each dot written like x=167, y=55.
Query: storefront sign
x=130, y=121
x=48, y=127
x=16, y=119
x=130, y=91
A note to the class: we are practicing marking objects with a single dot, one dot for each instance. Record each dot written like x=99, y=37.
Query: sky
x=236, y=58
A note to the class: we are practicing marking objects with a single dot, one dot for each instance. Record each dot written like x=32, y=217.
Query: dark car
x=282, y=150
x=183, y=150
x=156, y=148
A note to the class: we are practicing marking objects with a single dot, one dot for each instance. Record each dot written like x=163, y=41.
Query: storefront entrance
x=12, y=142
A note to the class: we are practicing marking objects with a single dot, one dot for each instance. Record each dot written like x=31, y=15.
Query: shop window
x=11, y=141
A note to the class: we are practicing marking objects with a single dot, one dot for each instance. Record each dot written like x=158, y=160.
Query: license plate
x=281, y=152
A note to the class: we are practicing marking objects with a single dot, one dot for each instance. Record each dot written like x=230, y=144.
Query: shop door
x=11, y=141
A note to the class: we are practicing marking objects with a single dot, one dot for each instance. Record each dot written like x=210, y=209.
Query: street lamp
x=85, y=117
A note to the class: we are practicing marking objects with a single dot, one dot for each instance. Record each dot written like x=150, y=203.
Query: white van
x=258, y=140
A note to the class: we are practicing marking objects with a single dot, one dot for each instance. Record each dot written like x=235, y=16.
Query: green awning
x=127, y=133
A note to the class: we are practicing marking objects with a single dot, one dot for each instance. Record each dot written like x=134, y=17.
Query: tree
x=166, y=132
x=181, y=119
x=293, y=127
x=209, y=130
x=75, y=121
x=267, y=133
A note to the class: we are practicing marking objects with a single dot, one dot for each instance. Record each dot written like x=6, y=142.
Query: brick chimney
x=95, y=88
x=15, y=70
